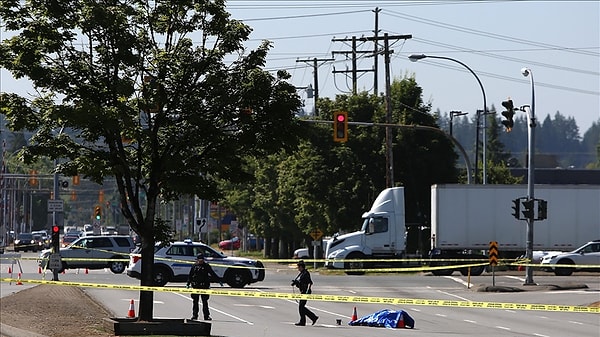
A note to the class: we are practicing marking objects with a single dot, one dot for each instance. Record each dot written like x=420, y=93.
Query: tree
x=147, y=94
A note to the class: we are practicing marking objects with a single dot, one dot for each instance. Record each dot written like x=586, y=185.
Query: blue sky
x=558, y=40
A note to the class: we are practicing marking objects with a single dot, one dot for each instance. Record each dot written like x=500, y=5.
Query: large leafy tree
x=161, y=95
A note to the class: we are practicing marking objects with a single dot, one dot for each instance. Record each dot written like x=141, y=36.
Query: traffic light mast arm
x=411, y=127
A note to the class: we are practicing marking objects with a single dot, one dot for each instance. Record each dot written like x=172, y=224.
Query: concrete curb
x=10, y=331
x=534, y=287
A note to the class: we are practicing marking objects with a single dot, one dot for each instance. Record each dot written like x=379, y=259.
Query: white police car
x=173, y=262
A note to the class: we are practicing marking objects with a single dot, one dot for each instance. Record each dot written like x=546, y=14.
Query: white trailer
x=468, y=217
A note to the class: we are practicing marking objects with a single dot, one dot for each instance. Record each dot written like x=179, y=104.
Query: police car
x=173, y=262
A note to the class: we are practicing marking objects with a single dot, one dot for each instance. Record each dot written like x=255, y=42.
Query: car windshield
x=25, y=237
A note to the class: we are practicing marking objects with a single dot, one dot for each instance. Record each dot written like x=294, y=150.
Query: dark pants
x=305, y=312
x=195, y=309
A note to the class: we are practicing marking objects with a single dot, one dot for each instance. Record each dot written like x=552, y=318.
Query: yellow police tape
x=329, y=298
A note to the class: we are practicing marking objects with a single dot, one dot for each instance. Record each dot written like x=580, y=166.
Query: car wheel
x=117, y=267
x=237, y=277
x=355, y=264
x=564, y=271
x=161, y=276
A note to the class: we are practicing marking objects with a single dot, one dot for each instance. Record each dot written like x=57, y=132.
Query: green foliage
x=145, y=93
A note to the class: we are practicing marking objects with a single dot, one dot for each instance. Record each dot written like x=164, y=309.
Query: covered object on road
x=386, y=318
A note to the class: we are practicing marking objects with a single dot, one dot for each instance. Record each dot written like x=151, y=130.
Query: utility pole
x=389, y=158
x=354, y=69
x=315, y=63
x=376, y=52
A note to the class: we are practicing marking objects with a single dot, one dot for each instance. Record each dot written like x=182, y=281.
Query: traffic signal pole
x=531, y=121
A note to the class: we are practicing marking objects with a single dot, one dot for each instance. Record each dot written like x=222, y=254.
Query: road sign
x=55, y=205
x=316, y=234
x=55, y=262
x=493, y=254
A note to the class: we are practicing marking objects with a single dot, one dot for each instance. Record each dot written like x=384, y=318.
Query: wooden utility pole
x=315, y=62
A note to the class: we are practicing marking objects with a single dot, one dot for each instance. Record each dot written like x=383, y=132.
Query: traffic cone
x=19, y=283
x=9, y=270
x=39, y=270
x=131, y=312
x=354, y=316
x=400, y=322
x=86, y=271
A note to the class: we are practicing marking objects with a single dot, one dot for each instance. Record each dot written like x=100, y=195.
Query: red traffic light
x=340, y=126
x=55, y=229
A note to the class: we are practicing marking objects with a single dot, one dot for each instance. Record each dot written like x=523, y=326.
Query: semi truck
x=464, y=220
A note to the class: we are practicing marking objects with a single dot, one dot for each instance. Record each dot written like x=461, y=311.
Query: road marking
x=254, y=305
x=221, y=311
x=540, y=335
x=453, y=295
x=459, y=280
x=469, y=321
x=502, y=327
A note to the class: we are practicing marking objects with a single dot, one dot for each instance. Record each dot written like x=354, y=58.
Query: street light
x=452, y=114
x=530, y=175
x=415, y=58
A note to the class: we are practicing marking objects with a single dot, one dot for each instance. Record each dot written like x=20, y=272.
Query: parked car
x=230, y=244
x=94, y=252
x=173, y=262
x=69, y=238
x=45, y=238
x=301, y=253
x=25, y=242
x=584, y=258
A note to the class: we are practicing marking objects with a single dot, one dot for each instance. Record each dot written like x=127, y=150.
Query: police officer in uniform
x=304, y=283
x=199, y=278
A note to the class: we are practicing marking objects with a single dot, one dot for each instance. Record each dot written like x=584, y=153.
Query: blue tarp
x=386, y=318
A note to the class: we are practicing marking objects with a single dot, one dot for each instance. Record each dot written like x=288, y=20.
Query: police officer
x=199, y=278
x=304, y=283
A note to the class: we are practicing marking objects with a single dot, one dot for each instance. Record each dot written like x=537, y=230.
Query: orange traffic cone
x=400, y=322
x=354, y=316
x=39, y=270
x=9, y=270
x=19, y=283
x=131, y=312
x=86, y=271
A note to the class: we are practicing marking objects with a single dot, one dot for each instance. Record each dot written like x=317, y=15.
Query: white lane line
x=459, y=280
x=502, y=327
x=469, y=321
x=453, y=295
x=254, y=305
x=540, y=335
x=220, y=311
x=515, y=278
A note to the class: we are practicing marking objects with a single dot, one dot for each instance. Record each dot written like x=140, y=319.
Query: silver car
x=584, y=258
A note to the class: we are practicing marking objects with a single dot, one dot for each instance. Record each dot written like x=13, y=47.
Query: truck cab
x=381, y=235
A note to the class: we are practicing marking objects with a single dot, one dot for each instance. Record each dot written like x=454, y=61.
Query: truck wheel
x=355, y=264
x=442, y=272
x=564, y=271
x=475, y=271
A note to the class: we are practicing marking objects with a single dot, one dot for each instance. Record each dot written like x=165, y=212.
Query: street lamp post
x=452, y=114
x=415, y=58
x=530, y=175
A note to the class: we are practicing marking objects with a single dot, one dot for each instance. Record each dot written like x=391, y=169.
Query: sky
x=559, y=41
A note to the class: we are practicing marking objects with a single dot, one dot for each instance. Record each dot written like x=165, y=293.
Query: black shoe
x=207, y=318
x=300, y=324
x=315, y=320
x=194, y=318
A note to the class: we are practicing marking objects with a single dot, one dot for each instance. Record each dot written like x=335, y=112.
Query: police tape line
x=329, y=298
x=501, y=263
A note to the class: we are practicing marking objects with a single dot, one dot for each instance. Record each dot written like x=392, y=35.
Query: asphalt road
x=251, y=317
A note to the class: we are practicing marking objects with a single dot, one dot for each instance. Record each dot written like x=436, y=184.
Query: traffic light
x=516, y=207
x=542, y=210
x=97, y=212
x=55, y=238
x=340, y=126
x=528, y=210
x=508, y=114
